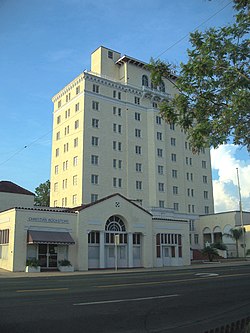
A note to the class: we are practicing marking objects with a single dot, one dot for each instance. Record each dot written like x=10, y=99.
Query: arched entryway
x=116, y=243
x=114, y=246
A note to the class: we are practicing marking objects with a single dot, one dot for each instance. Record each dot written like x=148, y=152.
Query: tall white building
x=108, y=137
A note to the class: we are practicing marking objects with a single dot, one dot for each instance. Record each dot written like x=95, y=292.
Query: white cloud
x=226, y=195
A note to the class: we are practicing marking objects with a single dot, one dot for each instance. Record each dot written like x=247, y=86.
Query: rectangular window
x=119, y=146
x=94, y=159
x=57, y=152
x=138, y=167
x=56, y=169
x=67, y=97
x=95, y=88
x=117, y=182
x=176, y=206
x=173, y=157
x=64, y=202
x=137, y=100
x=75, y=180
x=204, y=179
x=76, y=124
x=110, y=54
x=65, y=183
x=196, y=239
x=58, y=136
x=58, y=119
x=155, y=105
x=173, y=141
x=206, y=210
x=114, y=110
x=75, y=160
x=172, y=126
x=95, y=105
x=161, y=187
x=119, y=112
x=77, y=90
x=114, y=93
x=66, y=147
x=204, y=164
x=67, y=113
x=94, y=197
x=161, y=203
x=75, y=142
x=119, y=164
x=74, y=199
x=95, y=123
x=119, y=95
x=137, y=133
x=66, y=130
x=175, y=190
x=138, y=185
x=160, y=169
x=159, y=136
x=138, y=150
x=137, y=116
x=158, y=120
x=174, y=173
x=205, y=194
x=77, y=107
x=65, y=165
x=55, y=187
x=95, y=141
x=59, y=104
x=4, y=236
x=94, y=179
x=159, y=152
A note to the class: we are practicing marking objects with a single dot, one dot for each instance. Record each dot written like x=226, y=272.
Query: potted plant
x=65, y=266
x=32, y=266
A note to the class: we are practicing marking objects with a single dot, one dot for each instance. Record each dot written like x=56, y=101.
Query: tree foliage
x=42, y=194
x=235, y=234
x=210, y=251
x=213, y=101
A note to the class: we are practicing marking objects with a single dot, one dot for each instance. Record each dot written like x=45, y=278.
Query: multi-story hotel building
x=108, y=137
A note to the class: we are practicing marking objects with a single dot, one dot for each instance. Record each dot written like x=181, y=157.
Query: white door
x=122, y=257
x=110, y=256
x=166, y=256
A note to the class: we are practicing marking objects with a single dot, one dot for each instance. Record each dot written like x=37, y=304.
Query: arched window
x=145, y=80
x=162, y=87
x=115, y=224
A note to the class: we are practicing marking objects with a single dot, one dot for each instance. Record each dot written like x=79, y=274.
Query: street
x=176, y=301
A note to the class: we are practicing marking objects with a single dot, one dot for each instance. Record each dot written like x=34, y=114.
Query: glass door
x=52, y=255
x=47, y=255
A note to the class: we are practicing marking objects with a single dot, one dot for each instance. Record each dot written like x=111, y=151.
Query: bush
x=32, y=262
x=64, y=262
x=219, y=246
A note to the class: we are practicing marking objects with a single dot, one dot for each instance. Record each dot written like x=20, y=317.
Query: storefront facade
x=113, y=232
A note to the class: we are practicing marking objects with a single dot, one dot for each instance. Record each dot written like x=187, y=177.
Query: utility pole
x=241, y=215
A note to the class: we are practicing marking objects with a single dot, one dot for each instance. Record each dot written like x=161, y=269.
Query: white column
x=102, y=250
x=130, y=250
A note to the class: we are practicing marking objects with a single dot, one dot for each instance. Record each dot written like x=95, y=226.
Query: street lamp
x=241, y=215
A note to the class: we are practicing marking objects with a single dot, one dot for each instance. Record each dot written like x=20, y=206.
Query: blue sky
x=46, y=43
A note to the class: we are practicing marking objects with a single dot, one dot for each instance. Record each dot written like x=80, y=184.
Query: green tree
x=210, y=252
x=235, y=234
x=42, y=194
x=213, y=102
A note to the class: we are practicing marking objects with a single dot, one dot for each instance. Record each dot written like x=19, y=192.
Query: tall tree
x=42, y=194
x=213, y=100
x=235, y=234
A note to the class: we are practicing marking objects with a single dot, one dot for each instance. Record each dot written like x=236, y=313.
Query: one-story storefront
x=112, y=232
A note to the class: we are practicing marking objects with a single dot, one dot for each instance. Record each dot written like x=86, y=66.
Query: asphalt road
x=185, y=301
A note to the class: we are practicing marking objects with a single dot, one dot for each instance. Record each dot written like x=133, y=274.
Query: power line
x=24, y=147
x=198, y=26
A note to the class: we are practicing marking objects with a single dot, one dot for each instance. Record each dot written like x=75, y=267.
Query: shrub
x=64, y=262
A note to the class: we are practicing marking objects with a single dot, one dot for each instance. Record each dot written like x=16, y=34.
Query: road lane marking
x=170, y=281
x=40, y=290
x=127, y=300
x=206, y=274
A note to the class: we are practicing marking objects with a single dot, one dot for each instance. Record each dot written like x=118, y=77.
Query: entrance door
x=166, y=256
x=47, y=255
x=122, y=260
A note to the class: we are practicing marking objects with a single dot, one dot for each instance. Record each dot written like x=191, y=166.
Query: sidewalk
x=7, y=274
